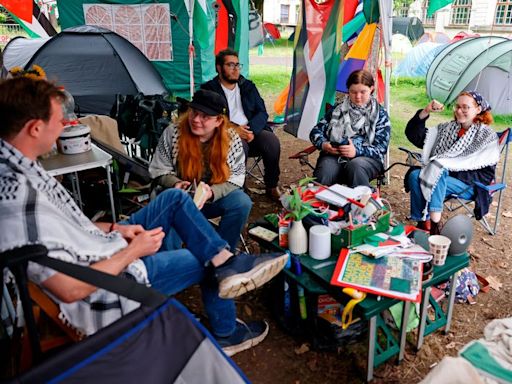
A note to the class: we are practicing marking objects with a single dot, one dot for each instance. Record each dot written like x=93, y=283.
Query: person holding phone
x=203, y=149
x=455, y=155
x=353, y=136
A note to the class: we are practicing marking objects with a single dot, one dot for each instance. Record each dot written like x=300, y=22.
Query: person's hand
x=147, y=243
x=327, y=147
x=207, y=195
x=348, y=151
x=433, y=106
x=182, y=184
x=129, y=232
x=245, y=133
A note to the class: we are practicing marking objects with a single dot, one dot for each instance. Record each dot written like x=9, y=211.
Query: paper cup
x=439, y=246
x=319, y=242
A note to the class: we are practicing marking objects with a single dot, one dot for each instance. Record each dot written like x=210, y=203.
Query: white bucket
x=74, y=139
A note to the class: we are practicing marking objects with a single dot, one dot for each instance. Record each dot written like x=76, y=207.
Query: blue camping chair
x=454, y=202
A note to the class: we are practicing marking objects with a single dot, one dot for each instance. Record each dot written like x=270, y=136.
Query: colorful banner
x=316, y=61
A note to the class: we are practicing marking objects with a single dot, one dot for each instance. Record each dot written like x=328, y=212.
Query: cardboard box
x=352, y=237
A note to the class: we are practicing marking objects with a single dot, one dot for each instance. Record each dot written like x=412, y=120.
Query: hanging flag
x=38, y=26
x=22, y=9
x=434, y=5
x=202, y=24
x=316, y=61
x=356, y=58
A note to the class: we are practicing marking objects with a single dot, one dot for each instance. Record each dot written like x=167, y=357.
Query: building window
x=403, y=11
x=285, y=14
x=503, y=13
x=461, y=12
x=427, y=20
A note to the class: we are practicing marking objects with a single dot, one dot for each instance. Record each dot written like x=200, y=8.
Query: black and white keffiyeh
x=165, y=160
x=349, y=119
x=443, y=149
x=36, y=209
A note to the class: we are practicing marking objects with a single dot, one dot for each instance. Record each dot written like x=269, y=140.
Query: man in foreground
x=35, y=208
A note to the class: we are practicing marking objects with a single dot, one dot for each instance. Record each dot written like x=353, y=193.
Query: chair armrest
x=491, y=188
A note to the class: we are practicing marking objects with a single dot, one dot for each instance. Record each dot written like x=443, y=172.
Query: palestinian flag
x=204, y=32
x=316, y=61
x=29, y=17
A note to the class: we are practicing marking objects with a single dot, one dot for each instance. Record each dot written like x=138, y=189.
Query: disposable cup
x=319, y=242
x=439, y=246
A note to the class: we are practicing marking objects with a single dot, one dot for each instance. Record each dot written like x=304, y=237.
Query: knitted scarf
x=443, y=149
x=36, y=209
x=165, y=160
x=349, y=120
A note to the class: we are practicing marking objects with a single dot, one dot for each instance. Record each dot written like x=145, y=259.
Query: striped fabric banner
x=318, y=41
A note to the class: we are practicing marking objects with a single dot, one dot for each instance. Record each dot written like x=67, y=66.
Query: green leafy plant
x=297, y=207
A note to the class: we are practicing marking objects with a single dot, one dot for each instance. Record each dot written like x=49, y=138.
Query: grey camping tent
x=411, y=27
x=92, y=63
x=483, y=64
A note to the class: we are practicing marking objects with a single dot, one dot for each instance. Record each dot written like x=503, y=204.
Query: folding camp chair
x=454, y=202
x=161, y=334
x=254, y=167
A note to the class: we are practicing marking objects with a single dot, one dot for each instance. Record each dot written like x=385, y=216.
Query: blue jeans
x=171, y=271
x=233, y=209
x=446, y=186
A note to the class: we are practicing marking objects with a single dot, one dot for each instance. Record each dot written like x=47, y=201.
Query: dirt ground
x=282, y=358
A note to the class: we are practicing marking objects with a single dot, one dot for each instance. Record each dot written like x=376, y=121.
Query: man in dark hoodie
x=247, y=111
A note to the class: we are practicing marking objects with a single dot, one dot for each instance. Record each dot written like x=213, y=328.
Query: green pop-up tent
x=177, y=36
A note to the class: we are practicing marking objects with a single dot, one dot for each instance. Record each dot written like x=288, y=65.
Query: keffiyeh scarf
x=349, y=120
x=36, y=209
x=443, y=149
x=165, y=160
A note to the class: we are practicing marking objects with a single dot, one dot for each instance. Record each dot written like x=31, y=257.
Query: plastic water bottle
x=68, y=107
x=287, y=309
x=302, y=303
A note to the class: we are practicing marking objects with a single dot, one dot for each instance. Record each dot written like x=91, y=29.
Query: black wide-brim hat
x=209, y=102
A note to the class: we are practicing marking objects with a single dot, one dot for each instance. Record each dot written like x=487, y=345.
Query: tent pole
x=386, y=15
x=191, y=51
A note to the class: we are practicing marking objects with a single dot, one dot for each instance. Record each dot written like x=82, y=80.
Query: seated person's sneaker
x=245, y=272
x=246, y=335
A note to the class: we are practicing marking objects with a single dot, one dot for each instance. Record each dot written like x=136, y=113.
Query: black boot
x=435, y=228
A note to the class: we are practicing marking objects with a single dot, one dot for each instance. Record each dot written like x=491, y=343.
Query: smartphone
x=344, y=141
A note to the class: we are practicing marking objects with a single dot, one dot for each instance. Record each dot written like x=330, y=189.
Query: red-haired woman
x=455, y=155
x=202, y=148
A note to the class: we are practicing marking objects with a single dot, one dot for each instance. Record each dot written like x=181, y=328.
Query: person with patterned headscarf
x=455, y=155
x=353, y=136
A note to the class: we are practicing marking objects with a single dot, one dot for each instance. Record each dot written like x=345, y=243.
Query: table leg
x=423, y=317
x=111, y=193
x=451, y=300
x=372, y=339
x=75, y=185
x=403, y=329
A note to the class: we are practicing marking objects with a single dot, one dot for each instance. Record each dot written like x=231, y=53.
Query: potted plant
x=298, y=205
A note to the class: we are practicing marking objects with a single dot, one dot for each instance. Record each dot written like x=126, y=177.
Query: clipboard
x=388, y=276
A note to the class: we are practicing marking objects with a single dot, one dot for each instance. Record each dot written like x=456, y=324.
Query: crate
x=348, y=238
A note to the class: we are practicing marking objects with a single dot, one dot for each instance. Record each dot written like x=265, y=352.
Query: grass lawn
x=407, y=96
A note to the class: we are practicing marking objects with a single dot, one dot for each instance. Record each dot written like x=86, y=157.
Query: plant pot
x=297, y=238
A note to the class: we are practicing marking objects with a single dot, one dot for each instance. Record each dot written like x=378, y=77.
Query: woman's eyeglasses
x=202, y=116
x=464, y=108
x=234, y=65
